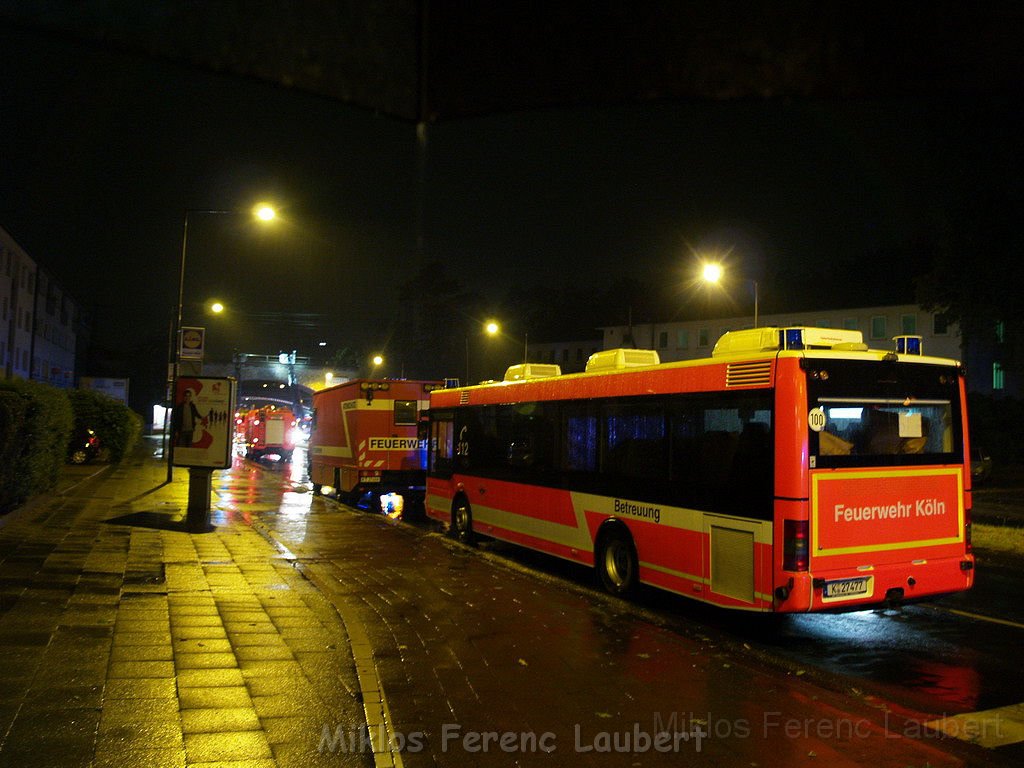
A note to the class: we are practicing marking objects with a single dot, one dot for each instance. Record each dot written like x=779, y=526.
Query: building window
x=997, y=376
x=940, y=325
x=662, y=339
x=565, y=355
x=682, y=339
x=702, y=337
x=823, y=322
x=850, y=323
x=579, y=354
x=878, y=327
x=908, y=324
x=1000, y=331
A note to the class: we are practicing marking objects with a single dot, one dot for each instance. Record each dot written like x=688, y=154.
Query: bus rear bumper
x=870, y=586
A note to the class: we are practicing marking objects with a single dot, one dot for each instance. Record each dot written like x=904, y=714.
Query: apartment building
x=37, y=320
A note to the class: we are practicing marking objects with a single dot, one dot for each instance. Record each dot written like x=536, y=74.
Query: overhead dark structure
x=424, y=61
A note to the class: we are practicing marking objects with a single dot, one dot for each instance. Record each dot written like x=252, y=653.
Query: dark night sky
x=101, y=151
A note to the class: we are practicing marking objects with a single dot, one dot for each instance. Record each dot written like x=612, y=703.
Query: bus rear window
x=884, y=416
x=885, y=429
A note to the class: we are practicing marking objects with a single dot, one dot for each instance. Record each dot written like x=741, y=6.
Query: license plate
x=844, y=588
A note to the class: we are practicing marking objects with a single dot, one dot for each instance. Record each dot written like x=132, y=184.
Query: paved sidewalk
x=125, y=641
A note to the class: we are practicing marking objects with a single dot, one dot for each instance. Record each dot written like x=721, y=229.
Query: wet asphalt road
x=505, y=641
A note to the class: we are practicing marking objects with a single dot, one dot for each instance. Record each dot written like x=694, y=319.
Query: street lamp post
x=755, y=302
x=713, y=273
x=491, y=328
x=199, y=502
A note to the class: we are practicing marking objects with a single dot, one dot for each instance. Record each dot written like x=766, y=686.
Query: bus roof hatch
x=616, y=359
x=532, y=371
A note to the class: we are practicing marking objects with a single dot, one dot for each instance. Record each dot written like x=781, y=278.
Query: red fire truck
x=268, y=431
x=365, y=442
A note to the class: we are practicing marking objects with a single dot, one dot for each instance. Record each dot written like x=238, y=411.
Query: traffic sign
x=192, y=339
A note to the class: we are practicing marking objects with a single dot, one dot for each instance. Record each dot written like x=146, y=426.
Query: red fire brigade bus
x=794, y=470
x=365, y=442
x=269, y=431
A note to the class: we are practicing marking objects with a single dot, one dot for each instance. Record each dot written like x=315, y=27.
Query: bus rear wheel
x=462, y=522
x=617, y=563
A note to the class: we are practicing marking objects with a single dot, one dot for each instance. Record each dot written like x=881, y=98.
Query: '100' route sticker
x=816, y=419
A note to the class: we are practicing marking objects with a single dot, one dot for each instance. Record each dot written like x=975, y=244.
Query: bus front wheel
x=617, y=563
x=462, y=522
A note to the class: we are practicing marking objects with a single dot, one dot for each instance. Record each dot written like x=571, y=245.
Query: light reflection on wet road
x=923, y=658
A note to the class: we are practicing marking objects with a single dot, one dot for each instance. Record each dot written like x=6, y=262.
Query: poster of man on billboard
x=202, y=421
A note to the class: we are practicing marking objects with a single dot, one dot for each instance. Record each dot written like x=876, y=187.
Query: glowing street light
x=216, y=307
x=713, y=272
x=378, y=360
x=264, y=212
x=491, y=328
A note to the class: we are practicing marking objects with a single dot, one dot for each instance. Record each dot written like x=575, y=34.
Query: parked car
x=84, y=446
x=981, y=465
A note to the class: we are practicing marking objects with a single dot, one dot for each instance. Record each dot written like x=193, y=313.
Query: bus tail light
x=967, y=530
x=795, y=546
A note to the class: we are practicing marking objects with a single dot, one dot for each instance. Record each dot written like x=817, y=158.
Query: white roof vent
x=532, y=371
x=745, y=342
x=618, y=359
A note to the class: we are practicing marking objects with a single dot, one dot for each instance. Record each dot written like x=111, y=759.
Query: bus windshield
x=893, y=414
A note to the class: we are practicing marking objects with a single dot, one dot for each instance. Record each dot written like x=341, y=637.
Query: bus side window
x=580, y=441
x=636, y=443
x=532, y=433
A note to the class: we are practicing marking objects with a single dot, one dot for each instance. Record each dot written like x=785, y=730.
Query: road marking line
x=980, y=617
x=989, y=728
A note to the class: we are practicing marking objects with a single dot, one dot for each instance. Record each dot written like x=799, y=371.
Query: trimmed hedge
x=12, y=425
x=117, y=426
x=35, y=442
x=36, y=424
